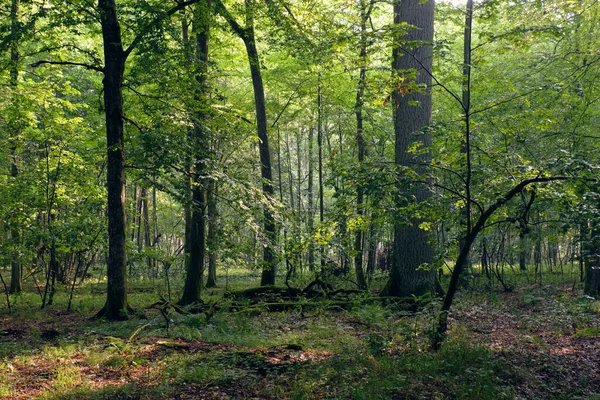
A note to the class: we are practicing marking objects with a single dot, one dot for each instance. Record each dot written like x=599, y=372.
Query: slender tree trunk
x=269, y=271
x=280, y=174
x=360, y=141
x=134, y=213
x=466, y=104
x=310, y=212
x=320, y=164
x=373, y=240
x=16, y=273
x=411, y=248
x=299, y=214
x=116, y=306
x=213, y=233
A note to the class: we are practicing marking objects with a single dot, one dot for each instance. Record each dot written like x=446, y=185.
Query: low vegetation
x=538, y=341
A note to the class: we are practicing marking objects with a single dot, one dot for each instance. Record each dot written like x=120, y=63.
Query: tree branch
x=237, y=28
x=77, y=64
x=138, y=38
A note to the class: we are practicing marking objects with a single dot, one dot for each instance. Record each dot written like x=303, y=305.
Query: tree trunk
x=269, y=271
x=465, y=148
x=320, y=166
x=15, y=265
x=116, y=306
x=213, y=232
x=310, y=215
x=197, y=246
x=360, y=141
x=411, y=248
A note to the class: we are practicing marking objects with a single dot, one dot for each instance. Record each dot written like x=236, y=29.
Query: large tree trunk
x=411, y=248
x=199, y=143
x=116, y=306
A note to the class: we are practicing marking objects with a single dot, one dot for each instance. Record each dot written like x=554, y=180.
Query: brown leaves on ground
x=547, y=339
x=534, y=331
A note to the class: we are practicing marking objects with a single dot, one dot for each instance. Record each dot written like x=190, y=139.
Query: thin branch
x=446, y=89
x=287, y=104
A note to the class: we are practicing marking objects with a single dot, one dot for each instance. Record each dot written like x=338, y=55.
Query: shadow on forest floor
x=534, y=343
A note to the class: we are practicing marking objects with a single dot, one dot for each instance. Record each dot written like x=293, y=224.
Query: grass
x=500, y=346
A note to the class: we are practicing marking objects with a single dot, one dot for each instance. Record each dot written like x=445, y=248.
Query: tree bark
x=411, y=249
x=116, y=307
x=466, y=105
x=269, y=271
x=310, y=215
x=365, y=12
x=199, y=143
x=15, y=266
x=320, y=167
x=213, y=232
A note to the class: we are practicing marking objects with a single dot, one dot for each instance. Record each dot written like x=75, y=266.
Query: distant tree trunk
x=280, y=182
x=213, y=233
x=197, y=246
x=310, y=212
x=15, y=265
x=299, y=214
x=134, y=213
x=54, y=272
x=591, y=255
x=116, y=307
x=320, y=166
x=289, y=256
x=411, y=248
x=145, y=217
x=372, y=253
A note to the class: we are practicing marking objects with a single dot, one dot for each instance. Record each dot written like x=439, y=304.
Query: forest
x=299, y=199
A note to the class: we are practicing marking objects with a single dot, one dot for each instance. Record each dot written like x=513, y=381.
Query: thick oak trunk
x=411, y=249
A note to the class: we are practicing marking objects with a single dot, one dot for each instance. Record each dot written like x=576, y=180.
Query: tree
x=365, y=13
x=199, y=145
x=115, y=56
x=247, y=35
x=411, y=272
x=16, y=273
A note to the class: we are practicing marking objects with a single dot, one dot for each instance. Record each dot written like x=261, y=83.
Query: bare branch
x=77, y=64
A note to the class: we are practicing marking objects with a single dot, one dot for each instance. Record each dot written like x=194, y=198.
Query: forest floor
x=537, y=342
